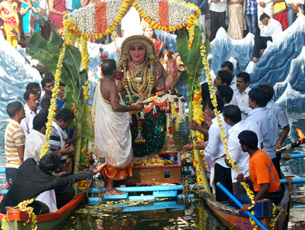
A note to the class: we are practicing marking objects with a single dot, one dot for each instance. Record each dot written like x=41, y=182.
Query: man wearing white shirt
x=269, y=31
x=241, y=97
x=33, y=146
x=36, y=138
x=228, y=66
x=226, y=92
x=215, y=149
x=31, y=110
x=266, y=121
x=218, y=10
x=232, y=116
x=264, y=7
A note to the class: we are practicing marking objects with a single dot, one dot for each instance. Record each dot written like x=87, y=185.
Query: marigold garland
x=84, y=53
x=163, y=18
x=198, y=117
x=52, y=109
x=23, y=206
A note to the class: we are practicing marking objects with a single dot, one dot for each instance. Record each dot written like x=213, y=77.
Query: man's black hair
x=26, y=95
x=226, y=92
x=227, y=64
x=225, y=76
x=205, y=92
x=258, y=96
x=263, y=16
x=40, y=121
x=245, y=76
x=232, y=112
x=49, y=163
x=219, y=103
x=65, y=114
x=268, y=89
x=108, y=66
x=248, y=138
x=45, y=104
x=32, y=85
x=13, y=107
x=46, y=80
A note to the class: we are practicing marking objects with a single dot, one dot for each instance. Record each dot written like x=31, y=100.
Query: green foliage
x=47, y=53
x=192, y=59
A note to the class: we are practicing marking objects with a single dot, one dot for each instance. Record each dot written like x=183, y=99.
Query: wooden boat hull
x=44, y=221
x=236, y=219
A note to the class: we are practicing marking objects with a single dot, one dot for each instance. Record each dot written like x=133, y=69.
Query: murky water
x=170, y=215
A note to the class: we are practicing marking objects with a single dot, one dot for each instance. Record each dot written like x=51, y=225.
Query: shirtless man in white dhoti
x=111, y=126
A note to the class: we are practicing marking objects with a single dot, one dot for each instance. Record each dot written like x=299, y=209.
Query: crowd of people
x=26, y=171
x=244, y=15
x=245, y=113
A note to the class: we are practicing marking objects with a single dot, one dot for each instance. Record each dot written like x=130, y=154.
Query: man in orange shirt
x=263, y=175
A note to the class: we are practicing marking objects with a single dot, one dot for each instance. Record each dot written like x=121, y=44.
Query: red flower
x=131, y=124
x=103, y=57
x=155, y=115
x=170, y=53
x=142, y=120
x=168, y=111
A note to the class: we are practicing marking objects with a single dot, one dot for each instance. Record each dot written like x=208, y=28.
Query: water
x=173, y=216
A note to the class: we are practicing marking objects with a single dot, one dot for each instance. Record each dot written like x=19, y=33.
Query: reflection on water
x=192, y=215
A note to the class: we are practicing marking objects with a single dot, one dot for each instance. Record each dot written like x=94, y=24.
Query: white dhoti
x=112, y=136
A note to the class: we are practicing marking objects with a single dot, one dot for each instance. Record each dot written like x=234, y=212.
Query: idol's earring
x=146, y=57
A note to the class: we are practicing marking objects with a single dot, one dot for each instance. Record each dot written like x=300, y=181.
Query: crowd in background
x=240, y=16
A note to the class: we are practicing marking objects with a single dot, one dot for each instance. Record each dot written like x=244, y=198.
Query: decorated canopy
x=100, y=19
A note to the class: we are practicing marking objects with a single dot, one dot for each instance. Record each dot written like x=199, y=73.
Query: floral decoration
x=100, y=19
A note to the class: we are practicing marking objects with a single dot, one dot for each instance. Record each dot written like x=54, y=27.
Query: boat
x=235, y=219
x=17, y=219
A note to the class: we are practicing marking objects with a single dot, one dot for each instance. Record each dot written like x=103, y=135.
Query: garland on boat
x=22, y=206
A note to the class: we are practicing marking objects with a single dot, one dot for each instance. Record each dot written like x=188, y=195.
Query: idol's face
x=149, y=32
x=137, y=52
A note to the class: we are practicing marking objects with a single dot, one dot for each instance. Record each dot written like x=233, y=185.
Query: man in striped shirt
x=14, y=140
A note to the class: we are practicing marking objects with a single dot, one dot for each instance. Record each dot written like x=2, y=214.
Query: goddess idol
x=140, y=76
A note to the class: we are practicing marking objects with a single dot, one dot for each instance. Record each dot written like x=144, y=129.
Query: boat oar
x=300, y=180
x=230, y=195
x=289, y=156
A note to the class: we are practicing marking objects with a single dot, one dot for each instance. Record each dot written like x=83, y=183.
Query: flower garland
x=174, y=110
x=75, y=27
x=90, y=22
x=23, y=206
x=223, y=136
x=52, y=109
x=198, y=117
x=84, y=53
